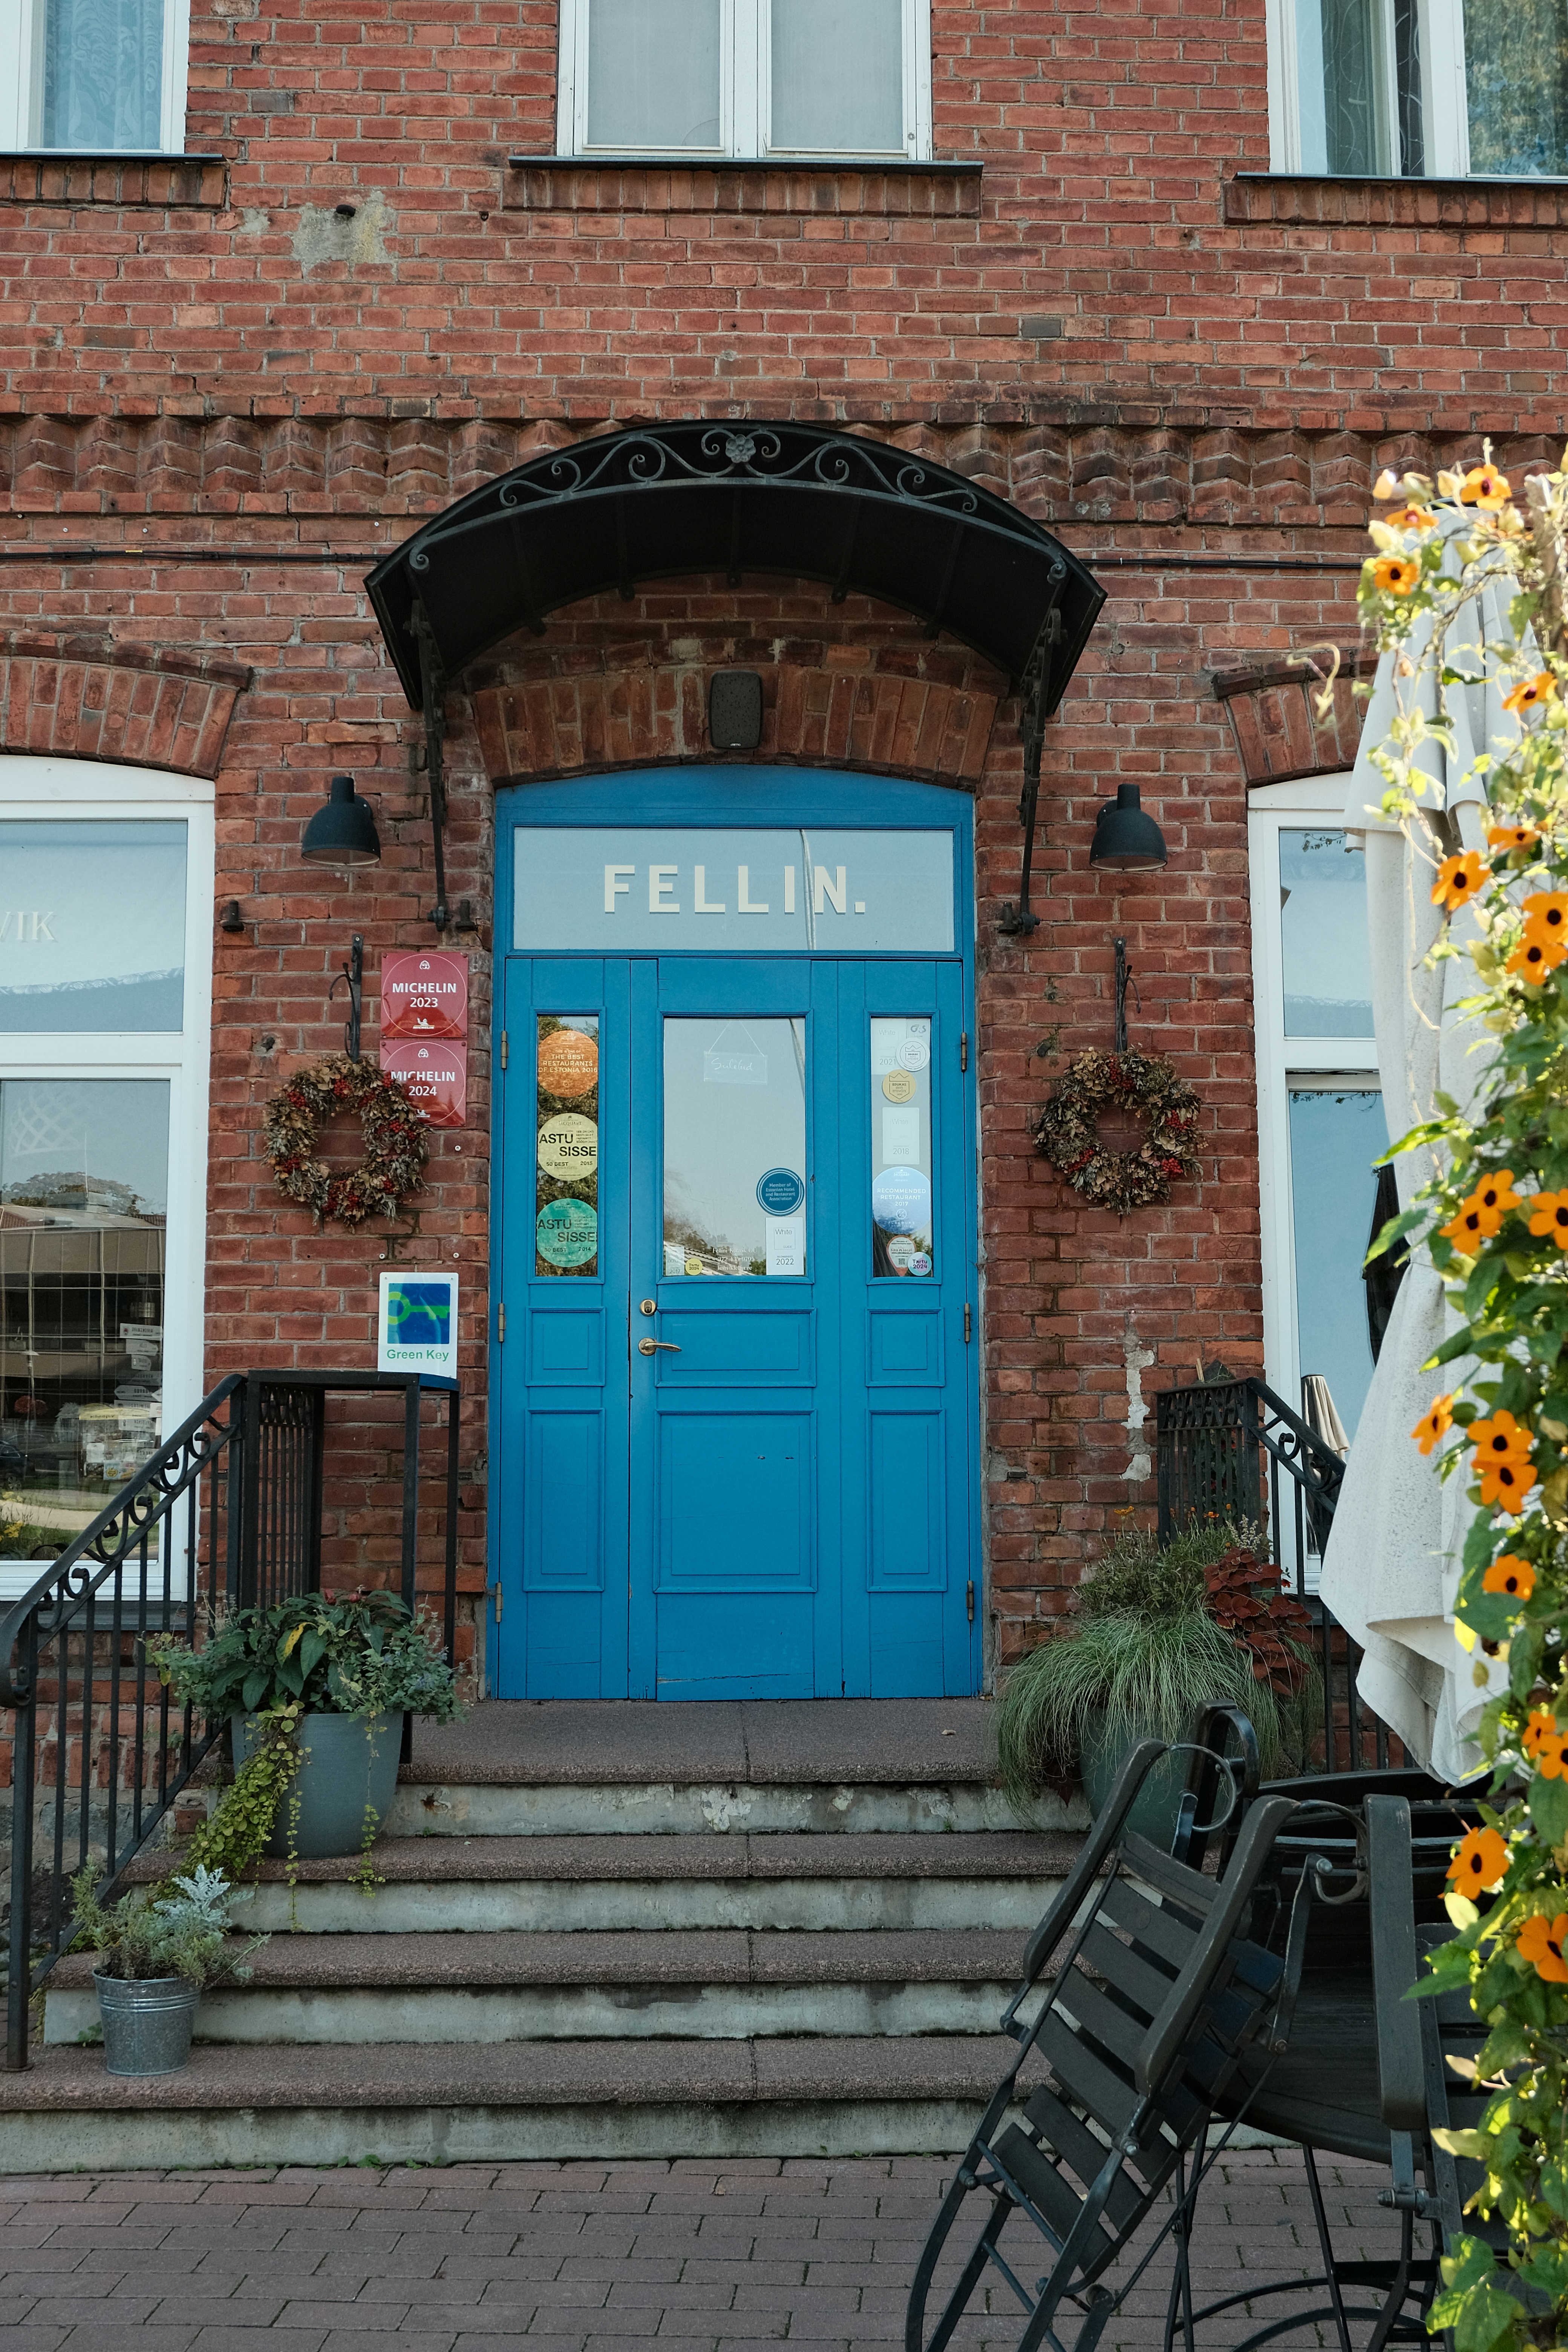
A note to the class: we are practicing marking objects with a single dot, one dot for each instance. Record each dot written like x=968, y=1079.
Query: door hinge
x=963, y=1049
x=968, y=1595
x=500, y=1598
x=500, y=1326
x=968, y=1323
x=503, y=1049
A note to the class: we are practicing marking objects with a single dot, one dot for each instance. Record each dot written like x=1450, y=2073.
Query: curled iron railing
x=227, y=1511
x=1236, y=1450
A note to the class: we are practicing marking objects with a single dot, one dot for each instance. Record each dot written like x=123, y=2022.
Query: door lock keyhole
x=648, y=1306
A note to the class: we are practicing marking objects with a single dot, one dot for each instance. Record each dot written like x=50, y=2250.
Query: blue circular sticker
x=780, y=1193
x=566, y=1233
x=900, y=1201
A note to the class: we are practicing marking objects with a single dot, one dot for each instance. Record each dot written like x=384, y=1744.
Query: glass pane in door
x=734, y=1147
x=902, y=1222
x=566, y=1146
x=653, y=74
x=83, y=1211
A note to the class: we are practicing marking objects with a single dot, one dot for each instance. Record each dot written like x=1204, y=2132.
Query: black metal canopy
x=664, y=502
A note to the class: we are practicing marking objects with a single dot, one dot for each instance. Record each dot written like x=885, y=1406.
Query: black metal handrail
x=1234, y=1450
x=228, y=1512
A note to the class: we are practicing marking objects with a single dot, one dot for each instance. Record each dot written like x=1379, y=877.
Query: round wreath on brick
x=396, y=1141
x=1068, y=1130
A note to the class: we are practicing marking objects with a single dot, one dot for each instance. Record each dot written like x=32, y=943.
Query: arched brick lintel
x=85, y=698
x=827, y=717
x=1272, y=708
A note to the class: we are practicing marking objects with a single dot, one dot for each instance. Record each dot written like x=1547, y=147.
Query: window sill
x=52, y=177
x=1325, y=201
x=742, y=183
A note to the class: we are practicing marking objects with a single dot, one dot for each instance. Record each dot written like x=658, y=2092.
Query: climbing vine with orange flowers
x=1495, y=1221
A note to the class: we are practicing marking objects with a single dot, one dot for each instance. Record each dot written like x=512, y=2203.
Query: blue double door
x=737, y=1388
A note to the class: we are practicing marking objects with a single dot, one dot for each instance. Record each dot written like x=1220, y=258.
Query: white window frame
x=19, y=66
x=1282, y=1061
x=1445, y=110
x=76, y=790
x=745, y=51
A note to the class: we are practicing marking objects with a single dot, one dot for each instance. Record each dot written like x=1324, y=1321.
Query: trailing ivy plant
x=1495, y=1224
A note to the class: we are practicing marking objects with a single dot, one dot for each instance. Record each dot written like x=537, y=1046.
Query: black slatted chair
x=1156, y=1994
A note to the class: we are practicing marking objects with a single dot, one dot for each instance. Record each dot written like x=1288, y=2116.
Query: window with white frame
x=842, y=79
x=94, y=76
x=1440, y=88
x=105, y=1022
x=1319, y=1106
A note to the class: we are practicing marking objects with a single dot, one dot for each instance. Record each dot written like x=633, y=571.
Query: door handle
x=650, y=1347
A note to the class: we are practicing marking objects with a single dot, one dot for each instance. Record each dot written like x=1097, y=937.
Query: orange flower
x=1480, y=1861
x=1458, y=880
x=1552, y=1756
x=1434, y=1423
x=1541, y=1942
x=1411, y=518
x=1534, y=691
x=1482, y=1214
x=1483, y=486
x=1535, y=959
x=1505, y=1484
x=1500, y=1438
x=1550, y=1219
x=1542, y=1725
x=1396, y=575
x=1511, y=836
x=1508, y=1574
x=1546, y=916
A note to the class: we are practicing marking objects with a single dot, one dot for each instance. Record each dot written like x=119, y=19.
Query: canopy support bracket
x=433, y=708
x=1035, y=691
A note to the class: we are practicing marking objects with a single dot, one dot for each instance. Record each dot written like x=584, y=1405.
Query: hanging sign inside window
x=417, y=1327
x=425, y=1030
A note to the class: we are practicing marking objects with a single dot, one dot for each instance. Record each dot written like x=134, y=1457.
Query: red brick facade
x=220, y=402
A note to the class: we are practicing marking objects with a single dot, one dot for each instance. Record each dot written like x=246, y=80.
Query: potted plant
x=316, y=1690
x=156, y=1952
x=1159, y=1631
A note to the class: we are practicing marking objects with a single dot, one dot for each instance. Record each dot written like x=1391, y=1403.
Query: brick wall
x=220, y=402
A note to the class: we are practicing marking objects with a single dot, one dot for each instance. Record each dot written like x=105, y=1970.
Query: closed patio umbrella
x=1390, y=1571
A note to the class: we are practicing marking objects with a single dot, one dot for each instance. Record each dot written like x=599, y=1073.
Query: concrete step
x=491, y=1988
x=424, y=1807
x=444, y=2103
x=493, y=1884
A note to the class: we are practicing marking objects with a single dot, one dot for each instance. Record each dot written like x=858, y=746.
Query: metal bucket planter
x=1158, y=1801
x=147, y=2022
x=347, y=1762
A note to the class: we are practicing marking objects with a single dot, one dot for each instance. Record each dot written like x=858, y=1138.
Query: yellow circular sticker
x=899, y=1086
x=569, y=1145
x=694, y=1266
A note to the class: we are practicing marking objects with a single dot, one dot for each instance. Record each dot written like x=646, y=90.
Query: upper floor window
x=94, y=76
x=1443, y=88
x=746, y=78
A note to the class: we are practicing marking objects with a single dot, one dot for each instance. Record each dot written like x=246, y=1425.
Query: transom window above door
x=842, y=78
x=1440, y=88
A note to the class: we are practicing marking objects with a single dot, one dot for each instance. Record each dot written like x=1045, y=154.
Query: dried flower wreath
x=396, y=1142
x=1068, y=1130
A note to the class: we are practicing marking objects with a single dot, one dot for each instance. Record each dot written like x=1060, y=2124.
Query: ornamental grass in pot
x=316, y=1690
x=1157, y=1632
x=155, y=1951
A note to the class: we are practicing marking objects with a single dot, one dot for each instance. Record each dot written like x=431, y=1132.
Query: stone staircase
x=610, y=1930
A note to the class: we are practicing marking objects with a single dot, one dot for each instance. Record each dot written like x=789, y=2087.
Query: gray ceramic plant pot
x=1157, y=1803
x=347, y=1762
x=146, y=2023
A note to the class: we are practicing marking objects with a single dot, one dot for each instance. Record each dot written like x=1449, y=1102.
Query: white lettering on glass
x=31, y=926
x=702, y=904
x=789, y=889
x=744, y=904
x=821, y=887
x=614, y=888
x=659, y=902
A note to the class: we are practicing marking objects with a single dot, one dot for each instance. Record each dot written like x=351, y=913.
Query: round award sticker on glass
x=915, y=1054
x=569, y=1145
x=780, y=1193
x=900, y=1250
x=921, y=1262
x=899, y=1086
x=568, y=1062
x=566, y=1233
x=900, y=1201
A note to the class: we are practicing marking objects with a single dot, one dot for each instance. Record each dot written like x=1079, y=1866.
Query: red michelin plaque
x=436, y=1075
x=423, y=993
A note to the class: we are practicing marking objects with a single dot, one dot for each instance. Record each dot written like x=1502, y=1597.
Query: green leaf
x=1546, y=2267
x=1487, y=2317
x=257, y=1685
x=312, y=1650
x=1404, y=1223
x=1548, y=1808
x=1472, y=2144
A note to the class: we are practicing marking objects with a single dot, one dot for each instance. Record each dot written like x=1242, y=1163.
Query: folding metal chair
x=1156, y=1992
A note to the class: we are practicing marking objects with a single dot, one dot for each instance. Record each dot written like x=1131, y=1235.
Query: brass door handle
x=649, y=1347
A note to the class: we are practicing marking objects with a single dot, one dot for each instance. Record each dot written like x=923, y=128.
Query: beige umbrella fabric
x=1391, y=1568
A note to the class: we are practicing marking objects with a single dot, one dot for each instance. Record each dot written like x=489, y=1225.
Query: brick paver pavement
x=706, y=2255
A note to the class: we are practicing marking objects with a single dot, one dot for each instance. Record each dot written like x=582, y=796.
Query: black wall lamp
x=342, y=831
x=1126, y=838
